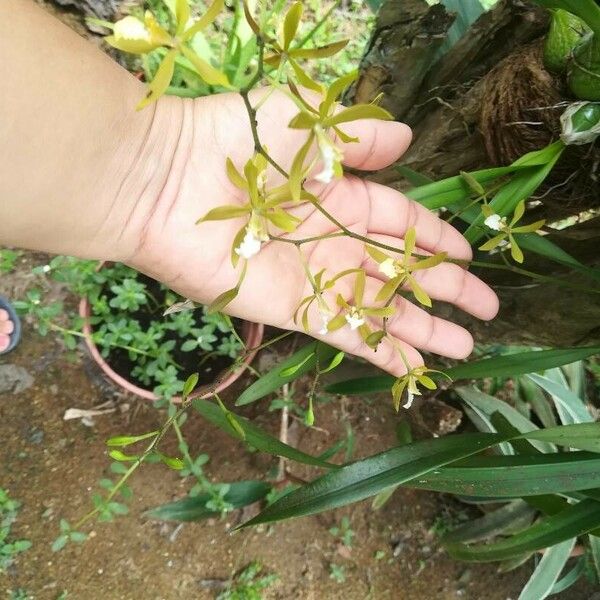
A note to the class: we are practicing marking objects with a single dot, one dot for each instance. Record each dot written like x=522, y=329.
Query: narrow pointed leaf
x=317, y=352
x=239, y=494
x=255, y=436
x=565, y=525
x=548, y=571
x=508, y=365
x=372, y=475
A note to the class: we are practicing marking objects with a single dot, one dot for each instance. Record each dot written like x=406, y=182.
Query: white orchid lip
x=330, y=156
x=495, y=222
x=325, y=318
x=249, y=246
x=388, y=268
x=409, y=400
x=130, y=28
x=355, y=319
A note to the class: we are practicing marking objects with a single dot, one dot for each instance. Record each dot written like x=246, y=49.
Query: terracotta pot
x=251, y=334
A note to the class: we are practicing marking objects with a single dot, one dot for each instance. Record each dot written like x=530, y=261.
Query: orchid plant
x=270, y=213
x=270, y=209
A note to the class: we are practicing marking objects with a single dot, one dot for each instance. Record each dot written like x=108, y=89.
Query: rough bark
x=461, y=108
x=101, y=9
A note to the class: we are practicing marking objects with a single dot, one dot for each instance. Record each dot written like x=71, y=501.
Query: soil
x=52, y=466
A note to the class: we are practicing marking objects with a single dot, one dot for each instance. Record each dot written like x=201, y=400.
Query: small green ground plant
x=249, y=584
x=9, y=547
x=129, y=325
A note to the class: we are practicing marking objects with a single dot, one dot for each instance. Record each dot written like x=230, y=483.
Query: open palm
x=195, y=260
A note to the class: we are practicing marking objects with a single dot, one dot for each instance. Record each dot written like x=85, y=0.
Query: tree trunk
x=484, y=103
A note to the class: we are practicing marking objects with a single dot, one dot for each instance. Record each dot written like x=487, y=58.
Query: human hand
x=195, y=259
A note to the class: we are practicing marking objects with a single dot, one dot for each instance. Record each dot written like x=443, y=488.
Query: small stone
x=14, y=379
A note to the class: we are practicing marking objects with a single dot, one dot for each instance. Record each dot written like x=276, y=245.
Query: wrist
x=148, y=167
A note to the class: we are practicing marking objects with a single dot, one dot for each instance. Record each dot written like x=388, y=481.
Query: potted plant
x=135, y=333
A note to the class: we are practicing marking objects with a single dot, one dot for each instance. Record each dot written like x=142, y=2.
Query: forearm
x=76, y=159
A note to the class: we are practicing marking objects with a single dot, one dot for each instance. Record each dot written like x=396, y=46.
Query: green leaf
x=587, y=10
x=489, y=405
x=511, y=517
x=190, y=384
x=516, y=476
x=569, y=523
x=308, y=356
x=78, y=536
x=239, y=494
x=519, y=188
x=547, y=572
x=413, y=177
x=120, y=441
x=221, y=301
x=507, y=365
x=569, y=405
x=533, y=395
x=59, y=543
x=294, y=368
x=372, y=475
x=594, y=542
x=255, y=436
x=570, y=578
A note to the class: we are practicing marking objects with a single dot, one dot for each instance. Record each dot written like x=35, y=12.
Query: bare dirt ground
x=52, y=466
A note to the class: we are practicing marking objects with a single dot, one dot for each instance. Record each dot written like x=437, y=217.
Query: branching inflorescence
x=268, y=211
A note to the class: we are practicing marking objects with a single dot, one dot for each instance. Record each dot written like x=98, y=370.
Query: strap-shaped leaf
x=308, y=356
x=516, y=476
x=569, y=523
x=521, y=187
x=255, y=436
x=239, y=494
x=372, y=475
x=547, y=572
x=508, y=365
x=510, y=518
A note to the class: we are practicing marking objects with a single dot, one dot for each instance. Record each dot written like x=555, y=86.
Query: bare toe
x=4, y=342
x=3, y=315
x=6, y=327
